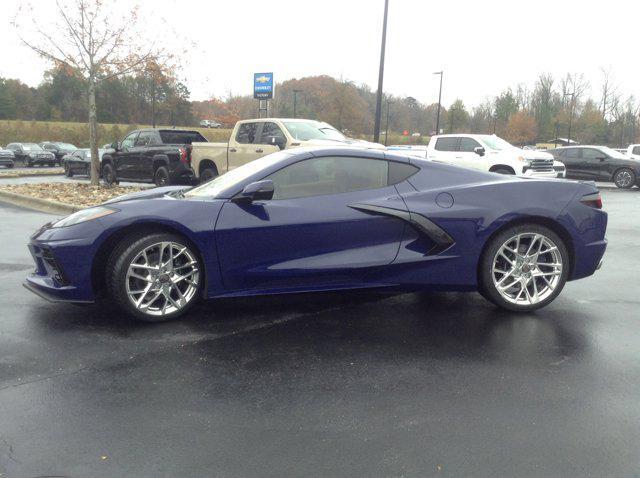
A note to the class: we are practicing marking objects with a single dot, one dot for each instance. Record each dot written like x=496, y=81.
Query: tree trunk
x=93, y=134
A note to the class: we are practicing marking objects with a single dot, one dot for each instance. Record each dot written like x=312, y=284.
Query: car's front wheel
x=523, y=268
x=161, y=178
x=624, y=178
x=67, y=170
x=109, y=175
x=154, y=277
x=208, y=174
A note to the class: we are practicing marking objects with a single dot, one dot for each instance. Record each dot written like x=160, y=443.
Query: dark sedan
x=79, y=162
x=306, y=219
x=599, y=163
x=7, y=158
x=32, y=154
x=60, y=150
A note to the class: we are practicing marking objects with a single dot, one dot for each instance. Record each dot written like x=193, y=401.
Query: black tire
x=161, y=177
x=503, y=171
x=120, y=260
x=486, y=285
x=10, y=165
x=208, y=174
x=624, y=178
x=67, y=171
x=109, y=175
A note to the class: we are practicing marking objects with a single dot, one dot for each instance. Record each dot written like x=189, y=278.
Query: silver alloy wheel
x=162, y=278
x=527, y=268
x=624, y=179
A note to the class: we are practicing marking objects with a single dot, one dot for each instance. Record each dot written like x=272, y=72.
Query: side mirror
x=260, y=190
x=479, y=150
x=278, y=141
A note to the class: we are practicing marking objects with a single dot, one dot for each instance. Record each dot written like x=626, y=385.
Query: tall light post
x=376, y=128
x=386, y=129
x=295, y=100
x=573, y=97
x=441, y=73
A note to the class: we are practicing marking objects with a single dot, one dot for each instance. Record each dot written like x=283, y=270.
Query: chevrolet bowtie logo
x=262, y=79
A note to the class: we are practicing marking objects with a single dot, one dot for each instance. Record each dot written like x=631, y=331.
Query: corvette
x=313, y=219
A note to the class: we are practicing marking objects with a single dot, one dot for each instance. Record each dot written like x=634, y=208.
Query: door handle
x=232, y=150
x=259, y=151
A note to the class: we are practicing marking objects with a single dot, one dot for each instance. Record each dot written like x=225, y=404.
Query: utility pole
x=295, y=100
x=573, y=97
x=376, y=128
x=441, y=73
x=386, y=130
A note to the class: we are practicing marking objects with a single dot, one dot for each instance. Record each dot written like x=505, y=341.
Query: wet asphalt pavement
x=326, y=385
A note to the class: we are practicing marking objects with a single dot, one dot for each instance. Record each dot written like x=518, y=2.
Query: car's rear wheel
x=523, y=268
x=624, y=178
x=67, y=170
x=109, y=175
x=208, y=174
x=154, y=277
x=161, y=178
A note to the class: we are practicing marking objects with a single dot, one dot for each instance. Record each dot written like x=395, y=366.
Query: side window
x=145, y=138
x=329, y=175
x=573, y=153
x=13, y=147
x=129, y=141
x=590, y=153
x=559, y=154
x=270, y=130
x=398, y=172
x=247, y=133
x=446, y=144
x=635, y=150
x=468, y=145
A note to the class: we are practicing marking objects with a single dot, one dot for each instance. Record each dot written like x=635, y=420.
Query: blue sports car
x=305, y=220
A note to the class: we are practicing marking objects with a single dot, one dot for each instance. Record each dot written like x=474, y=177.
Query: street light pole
x=441, y=73
x=386, y=130
x=376, y=128
x=573, y=97
x=295, y=100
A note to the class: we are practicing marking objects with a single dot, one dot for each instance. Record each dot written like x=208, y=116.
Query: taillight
x=184, y=155
x=592, y=200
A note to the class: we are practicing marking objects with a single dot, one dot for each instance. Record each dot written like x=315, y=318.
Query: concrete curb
x=38, y=204
x=33, y=175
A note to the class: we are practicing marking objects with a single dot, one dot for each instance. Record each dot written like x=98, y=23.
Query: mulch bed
x=70, y=193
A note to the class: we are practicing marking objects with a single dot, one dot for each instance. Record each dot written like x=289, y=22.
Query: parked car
x=491, y=153
x=79, y=162
x=325, y=219
x=32, y=154
x=210, y=124
x=7, y=158
x=599, y=163
x=160, y=156
x=633, y=151
x=58, y=149
x=254, y=138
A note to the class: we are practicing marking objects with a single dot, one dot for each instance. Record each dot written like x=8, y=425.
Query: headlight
x=84, y=215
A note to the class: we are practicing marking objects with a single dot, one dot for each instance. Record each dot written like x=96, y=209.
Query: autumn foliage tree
x=521, y=128
x=89, y=38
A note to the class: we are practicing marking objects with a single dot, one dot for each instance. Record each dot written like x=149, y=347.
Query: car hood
x=146, y=194
x=347, y=142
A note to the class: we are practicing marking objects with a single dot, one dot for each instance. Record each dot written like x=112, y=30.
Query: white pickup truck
x=633, y=151
x=252, y=139
x=491, y=153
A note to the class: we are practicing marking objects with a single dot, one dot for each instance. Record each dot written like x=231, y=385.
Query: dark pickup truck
x=160, y=156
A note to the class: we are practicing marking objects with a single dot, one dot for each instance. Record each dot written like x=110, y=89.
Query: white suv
x=491, y=153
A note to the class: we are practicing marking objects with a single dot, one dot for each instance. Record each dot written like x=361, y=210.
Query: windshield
x=613, y=153
x=235, y=176
x=305, y=131
x=32, y=147
x=67, y=146
x=498, y=144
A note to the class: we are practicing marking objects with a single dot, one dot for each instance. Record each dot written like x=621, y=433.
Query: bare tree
x=87, y=37
x=609, y=92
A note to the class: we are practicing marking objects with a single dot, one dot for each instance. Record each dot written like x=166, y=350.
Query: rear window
x=398, y=172
x=446, y=144
x=635, y=150
x=181, y=137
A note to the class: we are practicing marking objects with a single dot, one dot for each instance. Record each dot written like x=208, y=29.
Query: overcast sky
x=483, y=46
